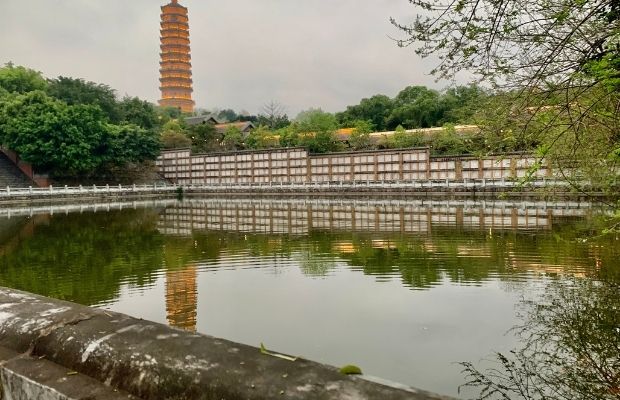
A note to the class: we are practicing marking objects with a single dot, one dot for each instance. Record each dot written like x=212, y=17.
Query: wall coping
x=153, y=361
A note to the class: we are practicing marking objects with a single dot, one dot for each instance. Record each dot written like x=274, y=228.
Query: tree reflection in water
x=570, y=347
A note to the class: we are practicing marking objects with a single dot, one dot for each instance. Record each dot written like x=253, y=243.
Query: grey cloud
x=310, y=53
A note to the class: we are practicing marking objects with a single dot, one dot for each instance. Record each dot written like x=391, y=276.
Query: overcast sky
x=301, y=53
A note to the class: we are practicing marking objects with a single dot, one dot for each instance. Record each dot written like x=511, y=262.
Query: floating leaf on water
x=351, y=370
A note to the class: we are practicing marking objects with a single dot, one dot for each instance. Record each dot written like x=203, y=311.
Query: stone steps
x=12, y=176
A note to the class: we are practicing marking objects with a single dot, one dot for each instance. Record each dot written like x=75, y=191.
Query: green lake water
x=405, y=289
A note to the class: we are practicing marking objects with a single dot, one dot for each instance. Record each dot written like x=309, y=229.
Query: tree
x=227, y=115
x=132, y=110
x=448, y=142
x=165, y=114
x=561, y=59
x=20, y=80
x=317, y=130
x=204, y=138
x=360, y=137
x=52, y=135
x=376, y=109
x=459, y=104
x=570, y=347
x=129, y=143
x=233, y=138
x=288, y=136
x=174, y=135
x=70, y=140
x=416, y=107
x=261, y=138
x=77, y=91
x=175, y=140
x=401, y=139
x=273, y=115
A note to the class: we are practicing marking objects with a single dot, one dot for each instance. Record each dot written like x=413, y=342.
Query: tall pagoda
x=175, y=65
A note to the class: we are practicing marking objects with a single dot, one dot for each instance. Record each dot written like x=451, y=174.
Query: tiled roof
x=242, y=126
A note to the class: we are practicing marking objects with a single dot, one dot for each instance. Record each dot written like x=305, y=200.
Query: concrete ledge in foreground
x=42, y=339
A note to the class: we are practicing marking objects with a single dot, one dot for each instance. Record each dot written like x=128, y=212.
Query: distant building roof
x=244, y=127
x=203, y=119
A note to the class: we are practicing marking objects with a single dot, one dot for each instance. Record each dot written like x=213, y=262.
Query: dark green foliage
x=70, y=139
x=52, y=135
x=130, y=143
x=228, y=115
x=77, y=91
x=416, y=107
x=204, y=138
x=73, y=127
x=132, y=110
x=376, y=109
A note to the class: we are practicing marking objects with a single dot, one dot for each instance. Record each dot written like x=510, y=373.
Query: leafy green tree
x=174, y=125
x=460, y=104
x=228, y=115
x=375, y=109
x=233, y=138
x=273, y=115
x=416, y=107
x=448, y=142
x=360, y=137
x=130, y=143
x=166, y=114
x=316, y=120
x=77, y=91
x=20, y=79
x=175, y=140
x=317, y=130
x=204, y=138
x=401, y=139
x=132, y=110
x=561, y=59
x=261, y=138
x=288, y=136
x=52, y=135
x=569, y=347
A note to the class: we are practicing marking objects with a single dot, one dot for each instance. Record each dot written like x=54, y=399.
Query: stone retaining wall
x=52, y=349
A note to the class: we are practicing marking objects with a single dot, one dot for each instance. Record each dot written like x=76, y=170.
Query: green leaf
x=351, y=370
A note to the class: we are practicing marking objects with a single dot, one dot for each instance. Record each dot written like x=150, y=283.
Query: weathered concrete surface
x=153, y=361
x=27, y=378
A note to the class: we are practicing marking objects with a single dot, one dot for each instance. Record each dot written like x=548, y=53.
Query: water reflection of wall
x=301, y=217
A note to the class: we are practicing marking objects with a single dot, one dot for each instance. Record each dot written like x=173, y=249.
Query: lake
x=403, y=288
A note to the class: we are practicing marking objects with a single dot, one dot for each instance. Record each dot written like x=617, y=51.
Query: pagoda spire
x=175, y=65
